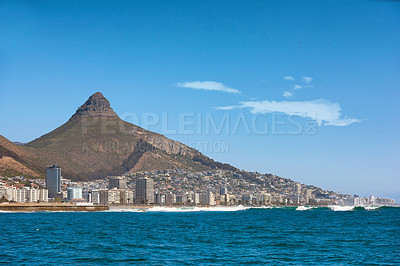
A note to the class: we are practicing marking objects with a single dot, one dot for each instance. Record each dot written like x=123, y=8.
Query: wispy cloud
x=307, y=84
x=297, y=87
x=322, y=111
x=307, y=80
x=207, y=85
x=288, y=78
x=227, y=108
x=288, y=94
x=343, y=122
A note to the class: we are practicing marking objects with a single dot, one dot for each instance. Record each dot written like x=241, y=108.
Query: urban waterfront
x=175, y=187
x=252, y=235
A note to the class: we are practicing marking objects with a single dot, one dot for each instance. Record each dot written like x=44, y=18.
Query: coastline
x=37, y=207
x=67, y=207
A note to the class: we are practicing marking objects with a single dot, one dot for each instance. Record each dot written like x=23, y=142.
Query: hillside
x=95, y=143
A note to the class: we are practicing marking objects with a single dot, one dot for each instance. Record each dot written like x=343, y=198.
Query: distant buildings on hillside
x=365, y=201
x=177, y=187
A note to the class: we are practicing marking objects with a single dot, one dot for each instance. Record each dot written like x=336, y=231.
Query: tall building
x=127, y=197
x=372, y=199
x=181, y=199
x=20, y=195
x=170, y=199
x=117, y=182
x=95, y=197
x=264, y=198
x=109, y=196
x=145, y=191
x=308, y=195
x=31, y=195
x=25, y=195
x=74, y=193
x=207, y=198
x=43, y=195
x=223, y=191
x=160, y=198
x=297, y=188
x=53, y=180
x=196, y=198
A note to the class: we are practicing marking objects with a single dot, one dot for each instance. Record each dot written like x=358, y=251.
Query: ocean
x=203, y=236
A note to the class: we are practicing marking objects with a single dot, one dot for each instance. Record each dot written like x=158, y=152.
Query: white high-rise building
x=43, y=195
x=25, y=195
x=74, y=193
x=31, y=195
x=19, y=195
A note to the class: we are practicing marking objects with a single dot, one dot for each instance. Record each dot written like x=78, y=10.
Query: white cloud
x=307, y=80
x=288, y=94
x=227, y=108
x=297, y=87
x=207, y=85
x=322, y=111
x=343, y=122
x=288, y=78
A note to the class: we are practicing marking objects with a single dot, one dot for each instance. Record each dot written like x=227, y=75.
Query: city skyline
x=175, y=188
x=222, y=63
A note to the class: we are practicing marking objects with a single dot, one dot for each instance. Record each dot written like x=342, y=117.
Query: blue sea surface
x=260, y=236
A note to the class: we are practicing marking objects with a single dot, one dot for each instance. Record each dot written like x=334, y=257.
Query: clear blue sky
x=337, y=59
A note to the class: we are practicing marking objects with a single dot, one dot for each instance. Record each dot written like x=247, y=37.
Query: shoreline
x=67, y=207
x=37, y=207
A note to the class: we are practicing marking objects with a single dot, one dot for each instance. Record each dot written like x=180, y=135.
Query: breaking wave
x=371, y=208
x=338, y=208
x=355, y=208
x=305, y=208
x=182, y=209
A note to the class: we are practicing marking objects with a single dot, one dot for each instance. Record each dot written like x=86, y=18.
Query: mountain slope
x=95, y=143
x=14, y=160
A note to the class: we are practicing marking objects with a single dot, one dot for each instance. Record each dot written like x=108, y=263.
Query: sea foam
x=181, y=209
x=338, y=208
x=198, y=209
x=304, y=208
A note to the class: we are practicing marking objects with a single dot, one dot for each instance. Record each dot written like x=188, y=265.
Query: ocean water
x=196, y=236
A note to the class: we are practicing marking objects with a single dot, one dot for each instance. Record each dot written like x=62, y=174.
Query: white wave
x=179, y=209
x=261, y=207
x=198, y=209
x=337, y=208
x=126, y=210
x=371, y=208
x=304, y=208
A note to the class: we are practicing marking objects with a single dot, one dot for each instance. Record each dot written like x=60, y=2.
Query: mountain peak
x=96, y=106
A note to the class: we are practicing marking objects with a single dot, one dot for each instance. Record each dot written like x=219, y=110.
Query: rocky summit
x=96, y=106
x=95, y=143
